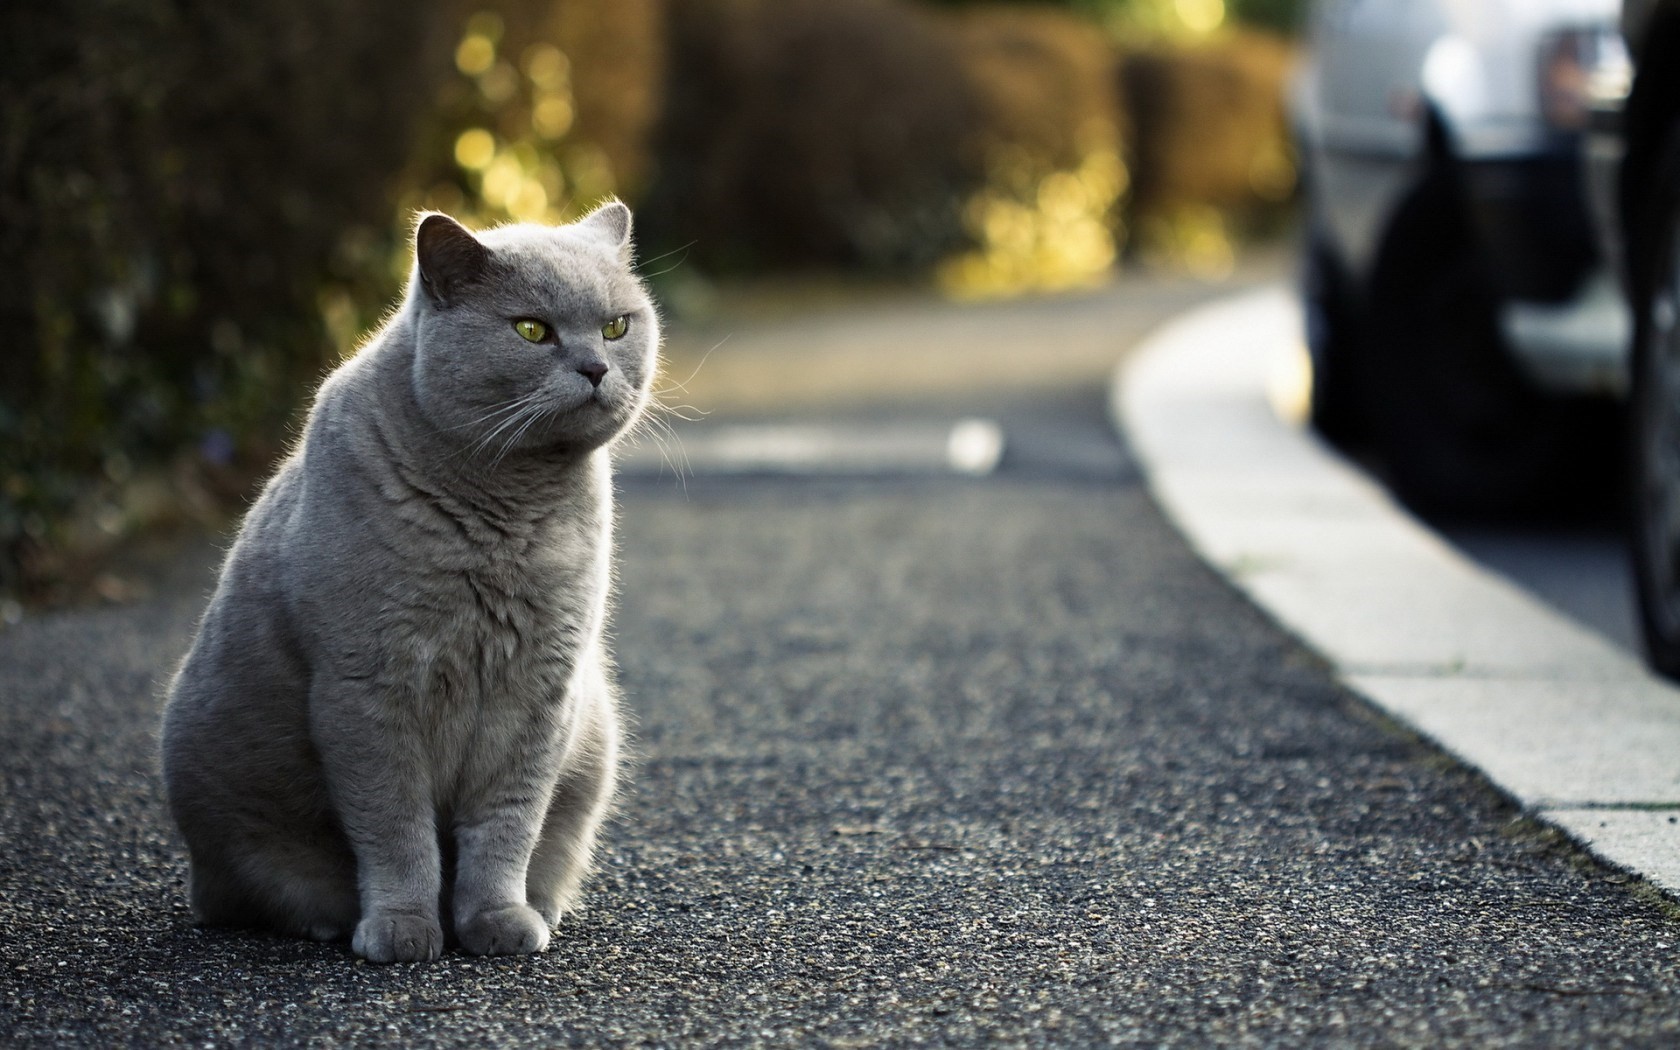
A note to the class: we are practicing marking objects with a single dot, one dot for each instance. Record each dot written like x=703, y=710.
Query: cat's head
x=531, y=337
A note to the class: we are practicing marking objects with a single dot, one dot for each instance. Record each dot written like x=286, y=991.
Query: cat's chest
x=489, y=603
x=471, y=639
x=495, y=631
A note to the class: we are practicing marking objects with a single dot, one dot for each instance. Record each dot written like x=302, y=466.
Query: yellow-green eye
x=531, y=331
x=615, y=328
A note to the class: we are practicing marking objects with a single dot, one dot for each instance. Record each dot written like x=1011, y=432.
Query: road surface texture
x=935, y=760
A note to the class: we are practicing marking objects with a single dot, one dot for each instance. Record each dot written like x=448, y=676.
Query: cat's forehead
x=562, y=265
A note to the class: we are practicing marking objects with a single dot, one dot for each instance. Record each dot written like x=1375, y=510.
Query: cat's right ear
x=450, y=258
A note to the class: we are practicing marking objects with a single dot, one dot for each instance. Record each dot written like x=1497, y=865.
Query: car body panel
x=1379, y=75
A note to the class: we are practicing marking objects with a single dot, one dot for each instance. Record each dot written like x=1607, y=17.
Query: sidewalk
x=1577, y=731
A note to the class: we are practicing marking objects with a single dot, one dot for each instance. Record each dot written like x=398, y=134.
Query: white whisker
x=683, y=385
x=515, y=414
x=495, y=410
x=666, y=255
x=686, y=413
x=654, y=425
x=659, y=430
x=530, y=420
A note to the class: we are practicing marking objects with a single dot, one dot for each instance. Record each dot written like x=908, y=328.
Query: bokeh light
x=1055, y=232
x=1200, y=16
x=475, y=149
x=475, y=54
x=515, y=154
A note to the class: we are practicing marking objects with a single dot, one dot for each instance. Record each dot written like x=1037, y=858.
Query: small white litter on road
x=970, y=447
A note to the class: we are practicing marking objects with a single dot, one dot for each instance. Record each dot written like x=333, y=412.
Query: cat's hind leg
x=582, y=798
x=293, y=888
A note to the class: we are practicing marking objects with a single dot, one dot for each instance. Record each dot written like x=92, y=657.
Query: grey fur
x=398, y=723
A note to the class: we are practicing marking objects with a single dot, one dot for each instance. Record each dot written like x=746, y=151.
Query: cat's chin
x=585, y=428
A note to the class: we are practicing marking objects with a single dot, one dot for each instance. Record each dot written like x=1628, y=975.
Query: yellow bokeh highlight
x=515, y=157
x=1200, y=16
x=1167, y=18
x=552, y=116
x=591, y=172
x=552, y=179
x=547, y=66
x=475, y=148
x=475, y=54
x=1192, y=238
x=501, y=180
x=522, y=182
x=1052, y=234
x=528, y=201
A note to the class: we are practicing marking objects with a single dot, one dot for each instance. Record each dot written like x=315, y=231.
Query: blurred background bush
x=204, y=206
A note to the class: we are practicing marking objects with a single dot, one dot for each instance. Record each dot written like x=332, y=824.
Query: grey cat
x=398, y=721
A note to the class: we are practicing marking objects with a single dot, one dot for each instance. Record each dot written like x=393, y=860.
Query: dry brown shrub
x=1050, y=137
x=879, y=133
x=1208, y=122
x=1045, y=81
x=617, y=51
x=813, y=132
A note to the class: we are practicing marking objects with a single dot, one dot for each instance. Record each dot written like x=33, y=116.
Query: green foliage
x=178, y=181
x=204, y=205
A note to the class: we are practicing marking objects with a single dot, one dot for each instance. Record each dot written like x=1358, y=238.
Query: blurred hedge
x=889, y=135
x=550, y=108
x=175, y=181
x=203, y=205
x=1132, y=16
x=812, y=132
x=1209, y=142
x=1051, y=132
x=1015, y=147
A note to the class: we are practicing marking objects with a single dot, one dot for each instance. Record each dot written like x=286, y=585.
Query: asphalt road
x=919, y=760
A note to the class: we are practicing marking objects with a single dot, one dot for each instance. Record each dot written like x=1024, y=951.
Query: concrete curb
x=1577, y=730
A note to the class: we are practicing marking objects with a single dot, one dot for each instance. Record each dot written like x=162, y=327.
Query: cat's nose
x=594, y=371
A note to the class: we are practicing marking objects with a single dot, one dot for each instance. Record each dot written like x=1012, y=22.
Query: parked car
x=1456, y=294
x=1634, y=161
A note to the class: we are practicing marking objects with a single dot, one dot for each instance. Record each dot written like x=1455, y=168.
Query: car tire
x=1460, y=428
x=1654, y=416
x=1336, y=405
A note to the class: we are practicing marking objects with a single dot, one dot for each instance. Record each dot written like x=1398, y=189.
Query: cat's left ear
x=611, y=223
x=450, y=258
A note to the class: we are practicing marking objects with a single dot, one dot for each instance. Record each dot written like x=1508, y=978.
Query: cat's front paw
x=512, y=930
x=385, y=937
